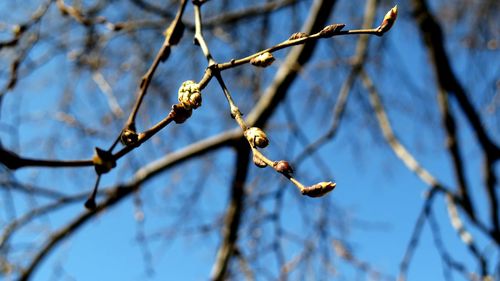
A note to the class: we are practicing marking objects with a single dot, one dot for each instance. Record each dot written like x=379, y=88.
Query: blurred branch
x=466, y=236
x=416, y=235
x=249, y=12
x=358, y=61
x=401, y=152
x=445, y=256
x=450, y=127
x=20, y=29
x=234, y=214
x=433, y=37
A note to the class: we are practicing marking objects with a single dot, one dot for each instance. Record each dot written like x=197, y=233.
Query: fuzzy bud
x=190, y=95
x=259, y=162
x=298, y=35
x=256, y=137
x=388, y=20
x=263, y=60
x=103, y=161
x=283, y=167
x=318, y=189
x=331, y=30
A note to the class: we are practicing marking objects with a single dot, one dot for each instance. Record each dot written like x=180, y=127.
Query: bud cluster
x=189, y=95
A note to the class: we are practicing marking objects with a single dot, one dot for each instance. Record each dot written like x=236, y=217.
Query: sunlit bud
x=129, y=137
x=297, y=35
x=259, y=162
x=256, y=137
x=103, y=161
x=331, y=30
x=263, y=60
x=180, y=113
x=388, y=20
x=283, y=167
x=318, y=189
x=190, y=95
x=174, y=32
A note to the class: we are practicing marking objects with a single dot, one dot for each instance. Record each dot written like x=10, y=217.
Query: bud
x=331, y=30
x=298, y=35
x=388, y=20
x=256, y=137
x=180, y=113
x=263, y=60
x=318, y=189
x=175, y=31
x=103, y=161
x=283, y=167
x=259, y=162
x=129, y=137
x=190, y=95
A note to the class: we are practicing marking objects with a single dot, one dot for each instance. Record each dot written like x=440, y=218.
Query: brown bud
x=298, y=35
x=283, y=167
x=180, y=113
x=259, y=162
x=263, y=60
x=318, y=189
x=388, y=20
x=103, y=161
x=256, y=137
x=129, y=137
x=174, y=32
x=331, y=30
x=190, y=95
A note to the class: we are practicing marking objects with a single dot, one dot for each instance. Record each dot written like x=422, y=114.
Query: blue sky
x=377, y=198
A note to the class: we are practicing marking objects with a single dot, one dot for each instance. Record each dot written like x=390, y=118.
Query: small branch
x=172, y=36
x=465, y=235
x=415, y=237
x=13, y=161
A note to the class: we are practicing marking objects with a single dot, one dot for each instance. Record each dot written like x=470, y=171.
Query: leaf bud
x=256, y=137
x=298, y=35
x=388, y=20
x=259, y=162
x=129, y=137
x=180, y=113
x=331, y=30
x=263, y=60
x=283, y=167
x=318, y=189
